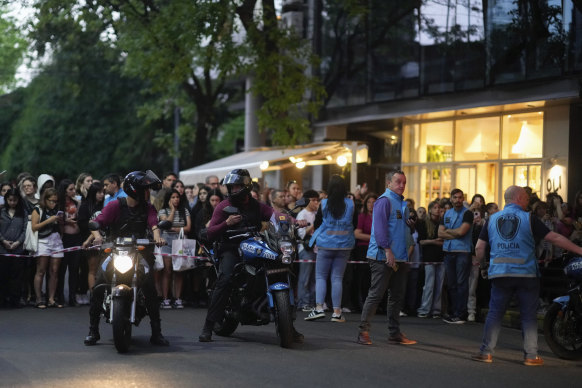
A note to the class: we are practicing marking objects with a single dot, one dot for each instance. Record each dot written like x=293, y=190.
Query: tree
x=79, y=113
x=12, y=46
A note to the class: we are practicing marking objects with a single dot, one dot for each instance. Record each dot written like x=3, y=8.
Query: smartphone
x=60, y=213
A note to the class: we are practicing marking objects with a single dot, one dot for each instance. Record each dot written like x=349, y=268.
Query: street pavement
x=45, y=349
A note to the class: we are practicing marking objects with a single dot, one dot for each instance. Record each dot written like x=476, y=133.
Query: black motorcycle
x=261, y=291
x=563, y=320
x=124, y=269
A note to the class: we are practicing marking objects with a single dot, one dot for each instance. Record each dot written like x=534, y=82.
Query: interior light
x=329, y=157
x=264, y=165
x=342, y=161
x=292, y=159
x=300, y=164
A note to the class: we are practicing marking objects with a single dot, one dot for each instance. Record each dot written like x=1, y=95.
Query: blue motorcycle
x=563, y=320
x=261, y=291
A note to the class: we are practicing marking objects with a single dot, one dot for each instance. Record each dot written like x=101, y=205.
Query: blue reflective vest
x=396, y=229
x=452, y=220
x=512, y=244
x=335, y=233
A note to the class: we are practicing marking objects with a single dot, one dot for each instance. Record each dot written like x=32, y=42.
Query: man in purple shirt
x=252, y=213
x=131, y=216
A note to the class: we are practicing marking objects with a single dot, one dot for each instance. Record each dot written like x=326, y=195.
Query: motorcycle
x=125, y=268
x=261, y=291
x=563, y=320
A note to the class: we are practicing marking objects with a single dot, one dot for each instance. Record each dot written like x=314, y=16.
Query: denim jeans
x=383, y=277
x=306, y=280
x=434, y=277
x=527, y=291
x=458, y=265
x=330, y=261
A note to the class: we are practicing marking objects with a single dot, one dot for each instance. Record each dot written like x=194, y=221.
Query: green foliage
x=12, y=47
x=225, y=143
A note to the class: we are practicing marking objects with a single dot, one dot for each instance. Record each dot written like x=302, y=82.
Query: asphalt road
x=45, y=349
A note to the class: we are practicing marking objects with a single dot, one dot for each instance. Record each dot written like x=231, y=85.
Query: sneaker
x=337, y=318
x=325, y=308
x=346, y=310
x=422, y=315
x=471, y=317
x=436, y=316
x=403, y=314
x=453, y=320
x=178, y=304
x=306, y=309
x=166, y=304
x=533, y=361
x=364, y=338
x=314, y=314
x=482, y=357
x=401, y=339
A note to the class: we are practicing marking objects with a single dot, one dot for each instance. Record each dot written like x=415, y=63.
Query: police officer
x=512, y=235
x=126, y=217
x=239, y=184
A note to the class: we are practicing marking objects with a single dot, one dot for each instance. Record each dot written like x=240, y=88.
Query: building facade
x=471, y=94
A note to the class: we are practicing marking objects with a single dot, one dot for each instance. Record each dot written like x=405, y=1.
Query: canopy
x=267, y=159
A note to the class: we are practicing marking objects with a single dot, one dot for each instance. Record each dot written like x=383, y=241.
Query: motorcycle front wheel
x=283, y=318
x=121, y=325
x=563, y=332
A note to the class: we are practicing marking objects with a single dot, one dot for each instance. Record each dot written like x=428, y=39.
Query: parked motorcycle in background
x=563, y=320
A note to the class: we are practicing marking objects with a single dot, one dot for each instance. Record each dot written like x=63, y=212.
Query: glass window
x=410, y=143
x=522, y=136
x=437, y=183
x=436, y=142
x=477, y=139
x=522, y=175
x=480, y=178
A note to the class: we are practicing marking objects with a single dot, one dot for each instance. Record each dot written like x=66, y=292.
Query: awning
x=273, y=158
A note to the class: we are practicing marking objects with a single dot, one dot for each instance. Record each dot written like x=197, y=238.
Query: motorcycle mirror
x=165, y=225
x=302, y=202
x=94, y=225
x=231, y=210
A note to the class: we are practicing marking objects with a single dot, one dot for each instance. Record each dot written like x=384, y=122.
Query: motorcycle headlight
x=287, y=250
x=122, y=262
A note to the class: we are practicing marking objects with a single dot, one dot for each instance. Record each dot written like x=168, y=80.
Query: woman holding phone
x=47, y=222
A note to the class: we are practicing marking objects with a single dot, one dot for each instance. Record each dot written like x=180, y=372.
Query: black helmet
x=240, y=177
x=137, y=182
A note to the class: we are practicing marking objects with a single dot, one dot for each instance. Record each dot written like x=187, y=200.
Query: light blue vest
x=452, y=220
x=396, y=229
x=512, y=244
x=334, y=233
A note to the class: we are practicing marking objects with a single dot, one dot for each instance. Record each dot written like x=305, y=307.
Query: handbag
x=31, y=237
x=182, y=247
x=159, y=262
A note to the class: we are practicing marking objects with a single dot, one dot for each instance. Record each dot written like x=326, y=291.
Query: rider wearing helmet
x=239, y=184
x=126, y=217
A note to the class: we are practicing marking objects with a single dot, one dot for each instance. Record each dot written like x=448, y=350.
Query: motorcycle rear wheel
x=283, y=318
x=562, y=332
x=121, y=325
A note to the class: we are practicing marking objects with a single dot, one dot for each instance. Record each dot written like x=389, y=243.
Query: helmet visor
x=235, y=179
x=151, y=180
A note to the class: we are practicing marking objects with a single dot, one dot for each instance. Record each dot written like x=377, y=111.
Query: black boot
x=157, y=338
x=297, y=336
x=93, y=336
x=206, y=335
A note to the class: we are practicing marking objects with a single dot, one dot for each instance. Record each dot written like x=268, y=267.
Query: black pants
x=71, y=260
x=148, y=288
x=11, y=273
x=223, y=286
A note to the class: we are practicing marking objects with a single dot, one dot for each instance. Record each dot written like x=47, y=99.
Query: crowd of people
x=432, y=272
